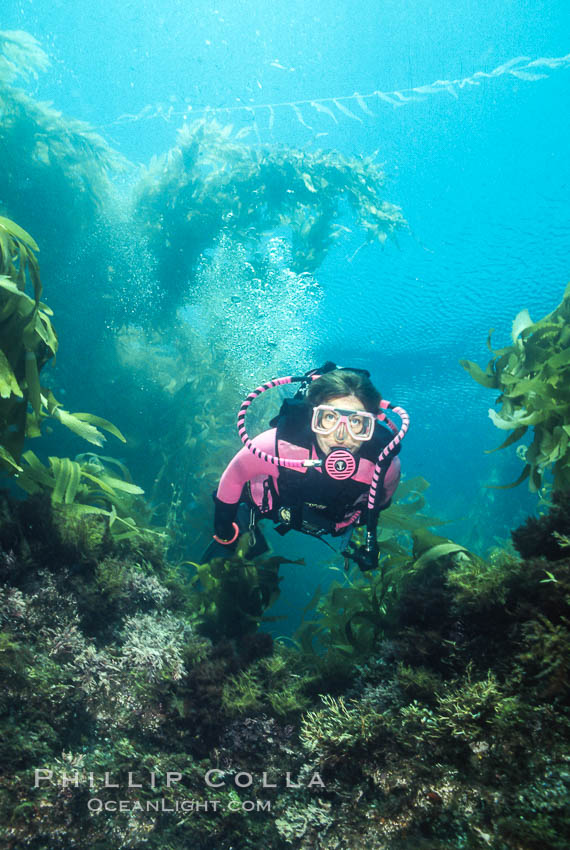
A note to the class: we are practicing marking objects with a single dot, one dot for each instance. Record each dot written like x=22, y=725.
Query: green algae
x=533, y=375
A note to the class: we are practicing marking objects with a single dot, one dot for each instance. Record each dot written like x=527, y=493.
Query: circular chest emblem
x=340, y=464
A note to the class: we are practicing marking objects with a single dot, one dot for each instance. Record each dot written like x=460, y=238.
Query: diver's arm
x=224, y=518
x=244, y=466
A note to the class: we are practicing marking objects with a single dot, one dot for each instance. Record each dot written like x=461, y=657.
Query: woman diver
x=327, y=464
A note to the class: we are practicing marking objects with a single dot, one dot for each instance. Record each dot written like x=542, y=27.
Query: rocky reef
x=124, y=725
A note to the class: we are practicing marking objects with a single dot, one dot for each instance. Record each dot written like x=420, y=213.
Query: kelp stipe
x=261, y=116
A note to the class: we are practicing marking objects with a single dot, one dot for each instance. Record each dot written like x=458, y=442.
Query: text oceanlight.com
x=187, y=806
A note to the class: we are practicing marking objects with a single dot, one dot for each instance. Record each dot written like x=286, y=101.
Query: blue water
x=482, y=176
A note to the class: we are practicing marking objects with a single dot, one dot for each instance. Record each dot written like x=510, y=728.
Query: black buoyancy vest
x=313, y=497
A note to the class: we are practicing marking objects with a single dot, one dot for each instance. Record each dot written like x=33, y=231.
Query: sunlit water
x=465, y=105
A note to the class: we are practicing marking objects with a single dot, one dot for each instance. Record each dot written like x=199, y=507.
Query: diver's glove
x=230, y=538
x=226, y=530
x=366, y=556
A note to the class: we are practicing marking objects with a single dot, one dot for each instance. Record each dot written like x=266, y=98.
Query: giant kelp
x=533, y=375
x=21, y=56
x=86, y=485
x=54, y=170
x=232, y=593
x=211, y=181
x=55, y=178
x=190, y=402
x=211, y=191
x=356, y=611
x=28, y=343
x=28, y=339
x=447, y=732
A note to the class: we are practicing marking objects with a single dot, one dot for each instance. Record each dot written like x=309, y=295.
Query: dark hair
x=341, y=382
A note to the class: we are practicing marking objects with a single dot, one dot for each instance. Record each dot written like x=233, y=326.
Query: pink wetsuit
x=247, y=467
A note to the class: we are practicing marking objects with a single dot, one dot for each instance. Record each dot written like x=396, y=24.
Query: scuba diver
x=328, y=464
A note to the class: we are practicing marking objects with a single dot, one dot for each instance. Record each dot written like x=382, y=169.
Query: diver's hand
x=367, y=559
x=228, y=538
x=365, y=556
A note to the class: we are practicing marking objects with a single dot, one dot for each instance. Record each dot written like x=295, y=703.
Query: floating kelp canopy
x=57, y=180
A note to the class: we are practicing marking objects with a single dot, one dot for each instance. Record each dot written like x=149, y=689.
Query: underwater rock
x=537, y=537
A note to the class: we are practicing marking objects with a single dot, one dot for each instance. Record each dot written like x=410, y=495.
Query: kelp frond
x=28, y=341
x=211, y=181
x=66, y=163
x=20, y=56
x=85, y=486
x=533, y=375
x=357, y=612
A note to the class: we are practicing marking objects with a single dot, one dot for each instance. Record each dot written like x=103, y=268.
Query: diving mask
x=359, y=423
